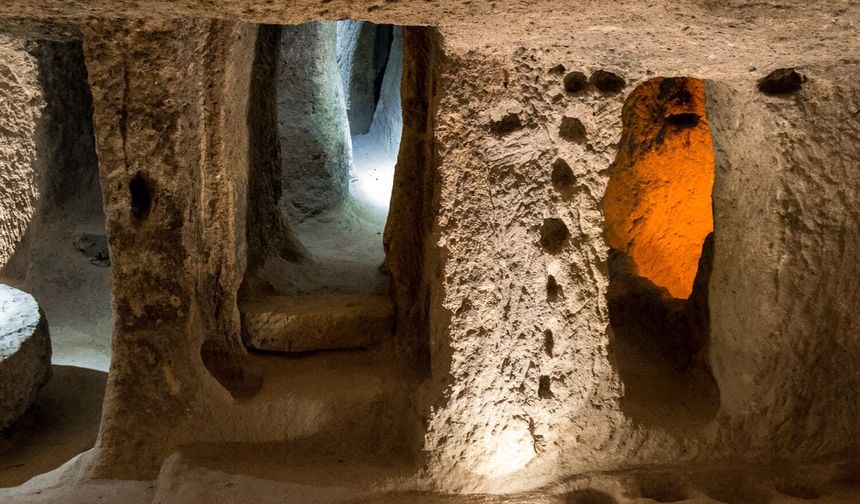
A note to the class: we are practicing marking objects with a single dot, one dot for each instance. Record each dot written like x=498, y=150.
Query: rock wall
x=50, y=261
x=409, y=240
x=268, y=231
x=507, y=308
x=362, y=57
x=316, y=152
x=22, y=105
x=530, y=390
x=782, y=303
x=387, y=126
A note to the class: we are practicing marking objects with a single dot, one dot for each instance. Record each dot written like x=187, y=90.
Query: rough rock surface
x=25, y=353
x=387, y=126
x=309, y=323
x=314, y=130
x=362, y=55
x=469, y=274
x=22, y=103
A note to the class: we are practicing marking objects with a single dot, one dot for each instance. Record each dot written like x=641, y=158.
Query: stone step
x=339, y=402
x=318, y=322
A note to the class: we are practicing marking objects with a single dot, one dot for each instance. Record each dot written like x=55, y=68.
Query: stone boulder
x=25, y=353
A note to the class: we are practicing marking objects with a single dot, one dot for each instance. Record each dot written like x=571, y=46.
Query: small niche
x=545, y=387
x=553, y=289
x=548, y=342
x=141, y=197
x=553, y=235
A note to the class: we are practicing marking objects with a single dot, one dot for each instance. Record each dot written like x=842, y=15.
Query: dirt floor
x=62, y=423
x=216, y=474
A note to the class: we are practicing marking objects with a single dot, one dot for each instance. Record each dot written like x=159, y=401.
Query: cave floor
x=41, y=463
x=188, y=479
x=345, y=254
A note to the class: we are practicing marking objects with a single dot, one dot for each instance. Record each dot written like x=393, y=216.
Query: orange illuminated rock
x=658, y=201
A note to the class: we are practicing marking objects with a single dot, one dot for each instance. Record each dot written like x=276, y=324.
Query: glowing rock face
x=507, y=451
x=658, y=202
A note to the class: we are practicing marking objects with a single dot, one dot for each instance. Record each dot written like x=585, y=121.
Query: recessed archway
x=659, y=225
x=339, y=122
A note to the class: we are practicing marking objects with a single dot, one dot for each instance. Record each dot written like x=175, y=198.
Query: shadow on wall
x=659, y=223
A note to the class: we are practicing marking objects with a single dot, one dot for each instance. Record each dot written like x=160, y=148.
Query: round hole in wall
x=141, y=196
x=553, y=235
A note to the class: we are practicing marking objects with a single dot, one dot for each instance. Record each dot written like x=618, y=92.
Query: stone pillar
x=316, y=151
x=387, y=127
x=362, y=58
x=410, y=252
x=170, y=110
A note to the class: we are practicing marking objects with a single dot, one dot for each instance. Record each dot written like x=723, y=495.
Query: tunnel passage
x=312, y=305
x=61, y=258
x=659, y=225
x=337, y=100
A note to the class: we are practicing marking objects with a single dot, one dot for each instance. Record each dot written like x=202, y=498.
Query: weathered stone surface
x=25, y=353
x=47, y=155
x=308, y=323
x=177, y=115
x=472, y=299
x=22, y=104
x=387, y=125
x=362, y=56
x=316, y=151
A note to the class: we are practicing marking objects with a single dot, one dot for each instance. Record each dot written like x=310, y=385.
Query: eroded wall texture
x=22, y=103
x=312, y=122
x=521, y=387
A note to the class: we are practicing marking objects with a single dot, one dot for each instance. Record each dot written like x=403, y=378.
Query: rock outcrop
x=25, y=353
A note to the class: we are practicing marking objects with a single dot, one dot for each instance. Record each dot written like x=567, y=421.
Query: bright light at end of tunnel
x=506, y=453
x=372, y=181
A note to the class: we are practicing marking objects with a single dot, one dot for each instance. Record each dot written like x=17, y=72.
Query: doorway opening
x=339, y=125
x=659, y=220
